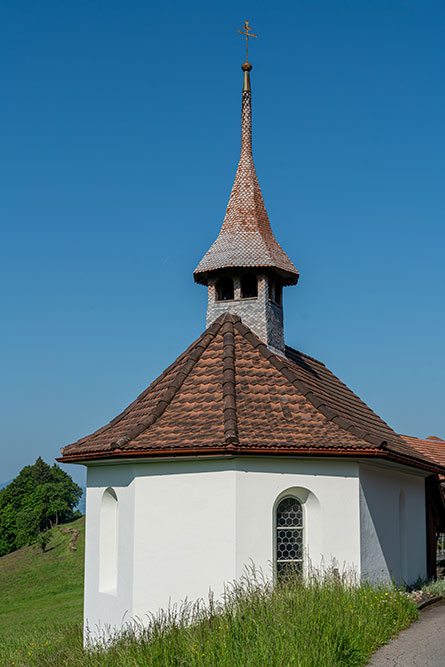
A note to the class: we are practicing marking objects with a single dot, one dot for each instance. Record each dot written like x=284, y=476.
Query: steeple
x=245, y=268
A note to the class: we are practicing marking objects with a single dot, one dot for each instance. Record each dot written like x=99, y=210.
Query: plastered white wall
x=187, y=527
x=185, y=532
x=328, y=491
x=104, y=611
x=386, y=553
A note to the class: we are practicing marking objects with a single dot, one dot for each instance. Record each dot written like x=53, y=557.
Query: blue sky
x=120, y=136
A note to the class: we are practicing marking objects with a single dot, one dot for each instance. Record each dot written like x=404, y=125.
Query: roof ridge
x=303, y=354
x=144, y=393
x=319, y=403
x=173, y=387
x=352, y=427
x=211, y=330
x=229, y=384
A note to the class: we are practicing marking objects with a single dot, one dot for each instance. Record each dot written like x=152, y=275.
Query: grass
x=437, y=587
x=39, y=589
x=325, y=622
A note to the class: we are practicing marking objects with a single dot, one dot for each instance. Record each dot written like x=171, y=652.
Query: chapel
x=246, y=450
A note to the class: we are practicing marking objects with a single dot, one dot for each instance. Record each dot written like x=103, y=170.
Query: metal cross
x=245, y=31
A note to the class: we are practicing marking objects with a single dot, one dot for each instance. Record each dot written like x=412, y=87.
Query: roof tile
x=229, y=393
x=433, y=447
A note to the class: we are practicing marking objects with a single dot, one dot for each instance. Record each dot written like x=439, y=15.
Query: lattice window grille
x=289, y=526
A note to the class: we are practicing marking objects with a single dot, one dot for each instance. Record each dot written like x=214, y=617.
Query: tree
x=43, y=540
x=40, y=497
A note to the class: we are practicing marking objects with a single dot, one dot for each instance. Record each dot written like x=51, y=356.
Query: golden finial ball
x=246, y=67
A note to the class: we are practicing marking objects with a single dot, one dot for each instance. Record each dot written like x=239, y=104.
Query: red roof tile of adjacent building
x=246, y=238
x=229, y=394
x=433, y=447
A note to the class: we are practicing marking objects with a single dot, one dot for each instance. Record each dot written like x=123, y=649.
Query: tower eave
x=201, y=277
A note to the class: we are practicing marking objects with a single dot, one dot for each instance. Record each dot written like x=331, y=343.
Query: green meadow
x=323, y=622
x=39, y=590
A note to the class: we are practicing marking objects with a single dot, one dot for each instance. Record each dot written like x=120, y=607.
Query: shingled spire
x=246, y=261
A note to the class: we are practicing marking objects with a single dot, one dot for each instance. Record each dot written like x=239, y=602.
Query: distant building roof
x=229, y=394
x=433, y=447
x=246, y=238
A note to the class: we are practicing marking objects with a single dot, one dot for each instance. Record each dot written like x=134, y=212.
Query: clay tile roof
x=433, y=447
x=229, y=394
x=246, y=238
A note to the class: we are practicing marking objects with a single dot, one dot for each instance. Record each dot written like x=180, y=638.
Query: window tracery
x=289, y=537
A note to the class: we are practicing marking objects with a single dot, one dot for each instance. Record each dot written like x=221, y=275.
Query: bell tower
x=246, y=269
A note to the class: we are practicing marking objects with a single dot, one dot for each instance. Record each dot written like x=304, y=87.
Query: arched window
x=275, y=291
x=224, y=289
x=289, y=538
x=108, y=542
x=249, y=286
x=278, y=293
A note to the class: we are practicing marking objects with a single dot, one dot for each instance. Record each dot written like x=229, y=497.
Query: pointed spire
x=246, y=238
x=246, y=114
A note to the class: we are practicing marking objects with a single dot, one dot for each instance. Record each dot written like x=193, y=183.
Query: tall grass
x=327, y=620
x=436, y=587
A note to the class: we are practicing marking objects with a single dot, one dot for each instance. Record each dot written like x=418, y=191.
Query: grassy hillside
x=40, y=589
x=321, y=622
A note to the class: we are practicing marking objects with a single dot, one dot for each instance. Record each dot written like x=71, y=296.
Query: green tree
x=40, y=497
x=43, y=540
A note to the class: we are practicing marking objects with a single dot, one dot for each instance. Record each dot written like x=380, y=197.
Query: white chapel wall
x=184, y=532
x=199, y=523
x=328, y=491
x=185, y=527
x=391, y=551
x=105, y=610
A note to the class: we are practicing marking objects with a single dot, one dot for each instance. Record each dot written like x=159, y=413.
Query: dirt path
x=420, y=645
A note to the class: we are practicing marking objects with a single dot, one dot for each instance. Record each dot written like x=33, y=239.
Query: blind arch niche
x=402, y=537
x=108, y=542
